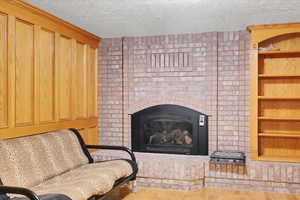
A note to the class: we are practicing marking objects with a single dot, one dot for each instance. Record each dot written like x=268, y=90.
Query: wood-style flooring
x=203, y=194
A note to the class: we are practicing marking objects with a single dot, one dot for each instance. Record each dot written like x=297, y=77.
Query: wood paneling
x=92, y=83
x=47, y=76
x=93, y=135
x=24, y=73
x=28, y=12
x=48, y=73
x=41, y=128
x=11, y=71
x=65, y=79
x=84, y=134
x=3, y=71
x=80, y=82
x=90, y=135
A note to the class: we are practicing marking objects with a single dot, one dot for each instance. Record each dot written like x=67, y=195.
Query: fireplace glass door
x=169, y=129
x=168, y=132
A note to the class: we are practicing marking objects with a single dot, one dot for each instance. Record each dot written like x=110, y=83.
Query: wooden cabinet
x=48, y=73
x=275, y=92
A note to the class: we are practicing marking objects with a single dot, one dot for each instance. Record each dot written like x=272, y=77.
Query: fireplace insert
x=170, y=129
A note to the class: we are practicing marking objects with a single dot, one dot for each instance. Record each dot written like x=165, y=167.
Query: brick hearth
x=208, y=72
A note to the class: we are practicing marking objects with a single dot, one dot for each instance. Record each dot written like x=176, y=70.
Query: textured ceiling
x=115, y=18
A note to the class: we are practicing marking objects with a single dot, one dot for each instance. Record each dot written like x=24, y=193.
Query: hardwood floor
x=204, y=194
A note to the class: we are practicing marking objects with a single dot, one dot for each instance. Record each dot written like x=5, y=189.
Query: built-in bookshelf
x=275, y=92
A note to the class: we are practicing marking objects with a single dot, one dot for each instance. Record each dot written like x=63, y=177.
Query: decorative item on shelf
x=269, y=48
x=228, y=157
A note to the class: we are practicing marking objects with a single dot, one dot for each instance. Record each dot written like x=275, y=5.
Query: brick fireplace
x=205, y=72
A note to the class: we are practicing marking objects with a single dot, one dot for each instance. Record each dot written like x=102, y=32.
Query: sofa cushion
x=86, y=180
x=29, y=161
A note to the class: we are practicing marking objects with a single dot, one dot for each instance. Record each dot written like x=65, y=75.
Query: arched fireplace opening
x=170, y=129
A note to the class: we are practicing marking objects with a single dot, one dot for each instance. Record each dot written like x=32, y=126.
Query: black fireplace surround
x=170, y=129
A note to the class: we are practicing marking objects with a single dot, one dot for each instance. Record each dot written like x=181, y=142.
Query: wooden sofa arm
x=120, y=148
x=18, y=190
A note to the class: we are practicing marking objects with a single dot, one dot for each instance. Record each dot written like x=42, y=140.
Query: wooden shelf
x=280, y=158
x=280, y=134
x=278, y=98
x=280, y=118
x=279, y=75
x=278, y=52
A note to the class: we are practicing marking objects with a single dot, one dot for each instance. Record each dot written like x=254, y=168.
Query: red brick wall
x=172, y=69
x=233, y=91
x=211, y=75
x=110, y=91
x=203, y=71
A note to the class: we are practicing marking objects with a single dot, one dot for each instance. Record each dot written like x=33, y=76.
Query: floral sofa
x=57, y=166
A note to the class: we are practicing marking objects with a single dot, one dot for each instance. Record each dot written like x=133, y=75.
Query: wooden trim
x=290, y=135
x=30, y=82
x=96, y=80
x=273, y=26
x=254, y=105
x=11, y=55
x=278, y=52
x=73, y=80
x=35, y=129
x=37, y=16
x=56, y=75
x=4, y=73
x=36, y=74
x=279, y=159
x=51, y=17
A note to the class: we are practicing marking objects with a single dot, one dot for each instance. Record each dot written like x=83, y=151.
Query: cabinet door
x=47, y=76
x=3, y=71
x=24, y=73
x=80, y=82
x=65, y=78
x=92, y=83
